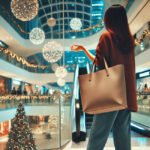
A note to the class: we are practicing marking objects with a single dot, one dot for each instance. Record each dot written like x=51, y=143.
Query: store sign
x=144, y=74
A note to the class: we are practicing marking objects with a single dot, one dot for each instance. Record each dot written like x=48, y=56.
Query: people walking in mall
x=117, y=46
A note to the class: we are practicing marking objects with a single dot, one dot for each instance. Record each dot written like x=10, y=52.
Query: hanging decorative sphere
x=75, y=24
x=61, y=72
x=54, y=66
x=61, y=82
x=52, y=51
x=24, y=10
x=51, y=22
x=37, y=36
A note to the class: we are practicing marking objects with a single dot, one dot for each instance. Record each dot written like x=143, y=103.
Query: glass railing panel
x=12, y=101
x=65, y=113
x=45, y=128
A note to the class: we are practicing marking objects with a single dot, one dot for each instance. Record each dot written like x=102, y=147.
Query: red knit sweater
x=109, y=50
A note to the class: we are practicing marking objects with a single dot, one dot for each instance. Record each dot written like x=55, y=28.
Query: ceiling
x=14, y=32
x=90, y=12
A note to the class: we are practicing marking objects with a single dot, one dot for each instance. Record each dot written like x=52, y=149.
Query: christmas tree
x=20, y=136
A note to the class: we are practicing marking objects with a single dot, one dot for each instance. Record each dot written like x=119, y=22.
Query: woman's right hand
x=77, y=48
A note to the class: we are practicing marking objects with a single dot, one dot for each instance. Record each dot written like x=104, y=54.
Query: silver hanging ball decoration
x=61, y=72
x=37, y=36
x=52, y=51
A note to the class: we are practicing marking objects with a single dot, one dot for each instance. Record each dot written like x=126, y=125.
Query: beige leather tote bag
x=104, y=90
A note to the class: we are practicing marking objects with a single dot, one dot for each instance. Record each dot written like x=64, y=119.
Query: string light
x=22, y=98
x=99, y=25
x=146, y=33
x=24, y=62
x=21, y=59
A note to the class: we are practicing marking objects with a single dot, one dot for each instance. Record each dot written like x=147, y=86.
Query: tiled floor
x=138, y=143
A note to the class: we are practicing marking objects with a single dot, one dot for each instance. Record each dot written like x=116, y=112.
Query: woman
x=117, y=46
x=145, y=89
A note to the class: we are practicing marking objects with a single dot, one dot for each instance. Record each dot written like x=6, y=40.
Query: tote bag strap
x=93, y=65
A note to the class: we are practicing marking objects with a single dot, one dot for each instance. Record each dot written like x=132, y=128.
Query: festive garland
x=34, y=97
x=20, y=59
x=146, y=33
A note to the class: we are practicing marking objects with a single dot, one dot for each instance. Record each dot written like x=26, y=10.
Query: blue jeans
x=118, y=122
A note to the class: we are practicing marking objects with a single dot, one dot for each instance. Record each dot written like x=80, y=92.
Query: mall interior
x=40, y=102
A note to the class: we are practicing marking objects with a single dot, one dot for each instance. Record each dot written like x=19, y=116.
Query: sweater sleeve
x=103, y=50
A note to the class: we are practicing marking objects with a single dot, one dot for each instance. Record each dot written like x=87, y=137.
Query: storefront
x=141, y=119
x=143, y=92
x=5, y=85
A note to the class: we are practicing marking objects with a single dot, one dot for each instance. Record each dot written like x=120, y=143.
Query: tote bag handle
x=106, y=68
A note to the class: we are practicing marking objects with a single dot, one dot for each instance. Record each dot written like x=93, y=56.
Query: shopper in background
x=117, y=46
x=25, y=91
x=14, y=92
x=145, y=89
x=19, y=92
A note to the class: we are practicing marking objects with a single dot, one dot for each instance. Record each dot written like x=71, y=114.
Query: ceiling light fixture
x=52, y=51
x=75, y=24
x=61, y=82
x=24, y=10
x=37, y=36
x=61, y=72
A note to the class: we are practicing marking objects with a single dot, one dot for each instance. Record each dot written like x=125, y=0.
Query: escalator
x=78, y=116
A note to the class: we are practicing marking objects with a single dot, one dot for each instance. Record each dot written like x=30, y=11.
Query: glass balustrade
x=48, y=116
x=12, y=101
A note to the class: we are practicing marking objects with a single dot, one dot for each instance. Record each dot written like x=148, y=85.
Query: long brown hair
x=116, y=22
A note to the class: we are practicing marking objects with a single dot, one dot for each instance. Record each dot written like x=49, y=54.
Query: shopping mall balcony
x=51, y=100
